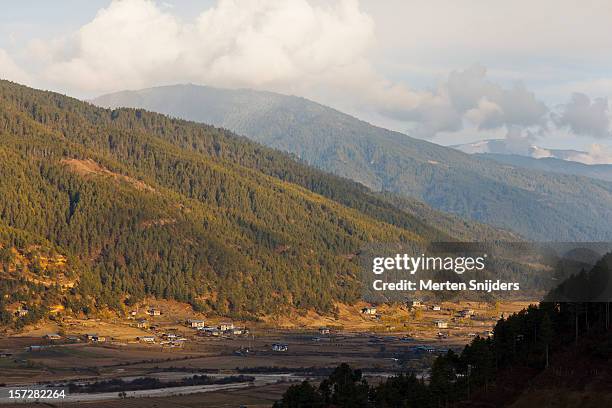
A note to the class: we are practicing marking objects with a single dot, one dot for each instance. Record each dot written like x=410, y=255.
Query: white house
x=209, y=331
x=225, y=326
x=196, y=324
x=154, y=312
x=369, y=310
x=466, y=313
x=21, y=312
x=94, y=338
x=441, y=324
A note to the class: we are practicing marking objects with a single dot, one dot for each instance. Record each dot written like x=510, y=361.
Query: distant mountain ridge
x=502, y=146
x=536, y=204
x=550, y=164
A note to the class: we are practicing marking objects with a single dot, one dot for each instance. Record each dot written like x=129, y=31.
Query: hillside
x=536, y=204
x=145, y=205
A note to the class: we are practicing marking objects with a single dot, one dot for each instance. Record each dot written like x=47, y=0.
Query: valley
x=401, y=338
x=305, y=204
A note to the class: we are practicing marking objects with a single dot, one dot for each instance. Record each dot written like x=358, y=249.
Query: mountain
x=101, y=208
x=503, y=146
x=571, y=162
x=538, y=205
x=549, y=164
x=508, y=147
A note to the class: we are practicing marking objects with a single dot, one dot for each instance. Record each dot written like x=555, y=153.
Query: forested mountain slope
x=145, y=205
x=536, y=204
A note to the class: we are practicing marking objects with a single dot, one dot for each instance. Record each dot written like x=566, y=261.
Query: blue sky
x=444, y=70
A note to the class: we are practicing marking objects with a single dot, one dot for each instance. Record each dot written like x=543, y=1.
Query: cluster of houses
x=371, y=311
x=417, y=303
x=466, y=313
x=90, y=337
x=52, y=336
x=142, y=323
x=166, y=340
x=55, y=337
x=223, y=328
x=151, y=311
x=412, y=304
x=95, y=338
x=22, y=311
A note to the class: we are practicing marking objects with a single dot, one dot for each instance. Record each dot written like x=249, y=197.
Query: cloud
x=263, y=43
x=316, y=49
x=469, y=95
x=10, y=70
x=520, y=33
x=595, y=154
x=516, y=106
x=586, y=117
x=519, y=142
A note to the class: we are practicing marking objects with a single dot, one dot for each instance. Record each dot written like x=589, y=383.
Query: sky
x=448, y=71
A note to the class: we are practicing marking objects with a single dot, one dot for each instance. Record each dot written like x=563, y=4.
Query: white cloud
x=519, y=142
x=520, y=31
x=595, y=154
x=317, y=50
x=586, y=117
x=263, y=43
x=10, y=70
x=470, y=89
x=320, y=50
x=469, y=95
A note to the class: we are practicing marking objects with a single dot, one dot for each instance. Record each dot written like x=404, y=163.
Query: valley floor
x=397, y=338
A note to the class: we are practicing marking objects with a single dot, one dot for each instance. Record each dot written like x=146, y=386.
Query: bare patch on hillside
x=89, y=167
x=158, y=223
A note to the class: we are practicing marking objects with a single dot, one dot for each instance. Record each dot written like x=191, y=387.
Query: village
x=153, y=326
x=166, y=340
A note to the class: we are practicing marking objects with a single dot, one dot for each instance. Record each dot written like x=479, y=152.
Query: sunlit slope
x=148, y=205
